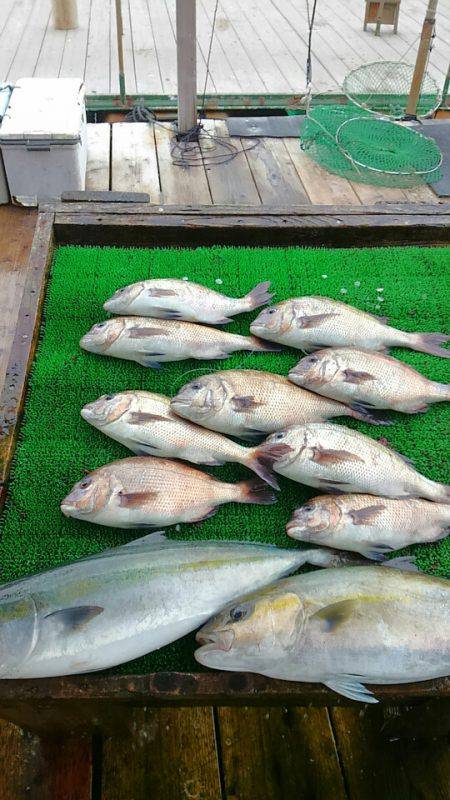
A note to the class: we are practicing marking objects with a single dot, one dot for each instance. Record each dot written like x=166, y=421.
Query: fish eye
x=280, y=435
x=313, y=359
x=308, y=507
x=238, y=613
x=119, y=291
x=196, y=386
x=109, y=396
x=85, y=483
x=271, y=310
x=100, y=325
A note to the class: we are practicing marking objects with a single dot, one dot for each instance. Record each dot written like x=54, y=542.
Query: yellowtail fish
x=152, y=342
x=120, y=604
x=145, y=492
x=167, y=298
x=372, y=380
x=337, y=459
x=145, y=423
x=248, y=403
x=372, y=526
x=311, y=323
x=342, y=627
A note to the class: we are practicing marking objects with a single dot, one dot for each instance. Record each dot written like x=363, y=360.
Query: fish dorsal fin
x=335, y=614
x=350, y=686
x=156, y=538
x=76, y=617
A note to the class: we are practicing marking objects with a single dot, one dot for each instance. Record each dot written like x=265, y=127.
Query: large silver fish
x=311, y=323
x=151, y=342
x=372, y=526
x=248, y=403
x=167, y=298
x=373, y=380
x=338, y=459
x=145, y=423
x=342, y=627
x=120, y=604
x=145, y=492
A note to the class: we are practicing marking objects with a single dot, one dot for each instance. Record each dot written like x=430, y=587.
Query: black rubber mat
x=274, y=127
x=439, y=130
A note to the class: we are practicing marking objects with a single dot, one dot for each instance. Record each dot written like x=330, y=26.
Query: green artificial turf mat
x=56, y=446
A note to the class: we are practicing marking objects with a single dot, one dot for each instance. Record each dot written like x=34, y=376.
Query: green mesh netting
x=351, y=142
x=384, y=86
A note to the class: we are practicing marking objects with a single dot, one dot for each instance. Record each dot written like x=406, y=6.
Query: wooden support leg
x=397, y=13
x=379, y=18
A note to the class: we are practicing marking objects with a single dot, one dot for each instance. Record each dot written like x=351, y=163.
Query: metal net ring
x=383, y=87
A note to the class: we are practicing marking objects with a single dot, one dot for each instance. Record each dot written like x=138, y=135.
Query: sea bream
x=372, y=526
x=152, y=342
x=125, y=602
x=342, y=627
x=311, y=323
x=168, y=298
x=248, y=403
x=373, y=380
x=337, y=459
x=144, y=422
x=142, y=492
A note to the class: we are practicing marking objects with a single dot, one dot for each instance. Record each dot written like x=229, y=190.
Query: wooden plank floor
x=137, y=157
x=259, y=47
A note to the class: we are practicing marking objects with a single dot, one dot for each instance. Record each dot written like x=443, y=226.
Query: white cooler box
x=43, y=139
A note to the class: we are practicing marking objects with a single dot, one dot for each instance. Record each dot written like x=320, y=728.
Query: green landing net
x=383, y=87
x=352, y=142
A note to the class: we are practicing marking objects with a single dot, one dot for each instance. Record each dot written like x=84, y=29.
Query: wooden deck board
x=259, y=47
x=134, y=165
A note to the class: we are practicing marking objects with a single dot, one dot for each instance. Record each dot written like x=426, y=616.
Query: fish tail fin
x=261, y=461
x=442, y=391
x=437, y=492
x=256, y=491
x=359, y=411
x=259, y=296
x=405, y=563
x=430, y=343
x=262, y=346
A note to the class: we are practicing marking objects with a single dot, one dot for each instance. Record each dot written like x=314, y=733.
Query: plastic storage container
x=43, y=139
x=5, y=94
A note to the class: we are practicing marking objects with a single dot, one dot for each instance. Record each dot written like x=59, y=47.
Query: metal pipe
x=186, y=65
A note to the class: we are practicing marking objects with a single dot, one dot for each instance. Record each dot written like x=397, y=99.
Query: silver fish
x=311, y=323
x=144, y=492
x=151, y=343
x=120, y=604
x=372, y=526
x=167, y=298
x=343, y=627
x=337, y=459
x=372, y=380
x=145, y=423
x=248, y=403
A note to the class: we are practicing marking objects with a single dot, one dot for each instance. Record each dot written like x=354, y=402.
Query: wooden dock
x=259, y=46
x=136, y=157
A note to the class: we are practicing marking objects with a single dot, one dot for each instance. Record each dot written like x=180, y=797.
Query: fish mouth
x=179, y=401
x=86, y=413
x=215, y=640
x=67, y=509
x=291, y=529
x=87, y=342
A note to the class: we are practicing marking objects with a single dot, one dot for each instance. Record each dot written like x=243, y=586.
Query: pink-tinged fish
x=152, y=342
x=145, y=423
x=311, y=323
x=167, y=298
x=338, y=459
x=372, y=526
x=249, y=403
x=372, y=380
x=145, y=492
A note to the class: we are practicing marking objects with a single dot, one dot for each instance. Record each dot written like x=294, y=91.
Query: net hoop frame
x=376, y=169
x=375, y=111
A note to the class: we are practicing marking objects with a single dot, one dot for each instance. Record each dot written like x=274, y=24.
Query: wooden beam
x=186, y=65
x=65, y=14
x=422, y=59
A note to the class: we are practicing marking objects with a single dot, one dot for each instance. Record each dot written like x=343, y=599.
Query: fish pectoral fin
x=244, y=403
x=322, y=456
x=350, y=686
x=148, y=361
x=335, y=614
x=140, y=417
x=74, y=618
x=353, y=376
x=143, y=333
x=313, y=319
x=364, y=516
x=135, y=499
x=166, y=313
x=157, y=292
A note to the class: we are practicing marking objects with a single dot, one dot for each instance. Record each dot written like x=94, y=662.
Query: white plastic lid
x=44, y=108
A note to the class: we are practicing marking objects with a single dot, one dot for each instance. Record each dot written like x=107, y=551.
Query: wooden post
x=119, y=26
x=186, y=65
x=421, y=60
x=65, y=14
